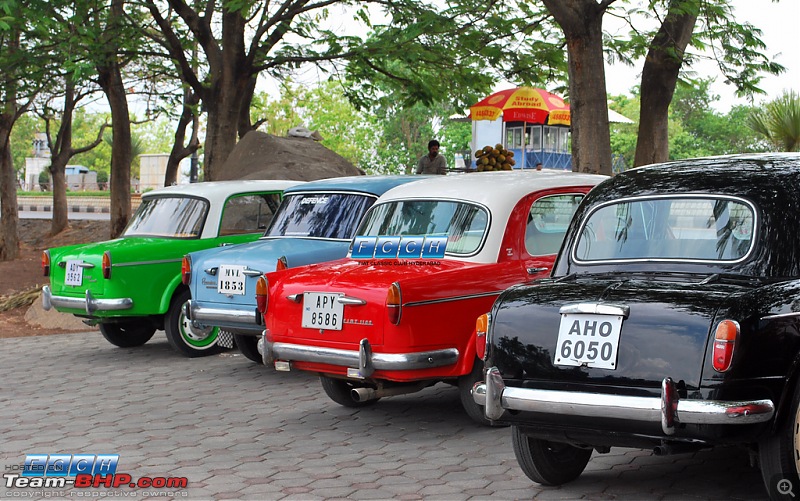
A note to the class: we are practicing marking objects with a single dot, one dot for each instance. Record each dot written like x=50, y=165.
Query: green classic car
x=131, y=286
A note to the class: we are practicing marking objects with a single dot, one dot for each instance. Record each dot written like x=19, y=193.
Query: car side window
x=248, y=213
x=547, y=224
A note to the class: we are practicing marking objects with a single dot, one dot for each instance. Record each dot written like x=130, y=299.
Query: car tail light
x=106, y=265
x=725, y=338
x=186, y=270
x=261, y=294
x=282, y=264
x=46, y=263
x=481, y=333
x=394, y=303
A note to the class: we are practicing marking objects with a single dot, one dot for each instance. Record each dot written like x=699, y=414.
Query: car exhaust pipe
x=366, y=394
x=668, y=449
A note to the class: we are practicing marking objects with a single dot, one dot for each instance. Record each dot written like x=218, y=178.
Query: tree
x=425, y=53
x=659, y=76
x=109, y=28
x=19, y=83
x=582, y=23
x=706, y=25
x=61, y=148
x=779, y=121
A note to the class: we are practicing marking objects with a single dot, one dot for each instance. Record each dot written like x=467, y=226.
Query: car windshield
x=668, y=228
x=169, y=217
x=464, y=224
x=321, y=215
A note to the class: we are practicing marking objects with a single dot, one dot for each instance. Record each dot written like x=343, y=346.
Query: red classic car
x=381, y=325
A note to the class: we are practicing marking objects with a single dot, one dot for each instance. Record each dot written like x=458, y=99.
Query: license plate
x=322, y=311
x=231, y=280
x=74, y=275
x=588, y=340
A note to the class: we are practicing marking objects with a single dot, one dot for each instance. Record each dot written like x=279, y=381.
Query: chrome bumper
x=199, y=315
x=364, y=361
x=667, y=409
x=87, y=303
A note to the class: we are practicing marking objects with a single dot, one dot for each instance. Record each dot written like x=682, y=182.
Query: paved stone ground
x=238, y=430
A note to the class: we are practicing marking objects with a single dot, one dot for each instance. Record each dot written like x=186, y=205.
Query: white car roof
x=493, y=189
x=498, y=191
x=220, y=190
x=217, y=192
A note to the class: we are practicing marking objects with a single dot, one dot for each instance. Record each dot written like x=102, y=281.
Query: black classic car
x=671, y=321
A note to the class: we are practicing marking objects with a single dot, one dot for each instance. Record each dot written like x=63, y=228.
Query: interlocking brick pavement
x=238, y=430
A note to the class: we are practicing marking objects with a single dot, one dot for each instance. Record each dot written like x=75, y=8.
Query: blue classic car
x=671, y=322
x=313, y=224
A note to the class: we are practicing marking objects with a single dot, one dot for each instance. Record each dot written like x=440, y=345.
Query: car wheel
x=548, y=463
x=186, y=339
x=339, y=391
x=127, y=334
x=248, y=345
x=779, y=454
x=465, y=384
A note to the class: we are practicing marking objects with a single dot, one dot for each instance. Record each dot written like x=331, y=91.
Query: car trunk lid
x=663, y=329
x=359, y=290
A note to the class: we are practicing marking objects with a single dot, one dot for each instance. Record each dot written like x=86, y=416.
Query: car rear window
x=320, y=215
x=696, y=228
x=169, y=217
x=463, y=223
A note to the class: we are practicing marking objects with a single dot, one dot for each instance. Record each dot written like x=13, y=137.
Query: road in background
x=72, y=216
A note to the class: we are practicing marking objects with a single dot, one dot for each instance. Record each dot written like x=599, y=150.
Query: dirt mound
x=263, y=156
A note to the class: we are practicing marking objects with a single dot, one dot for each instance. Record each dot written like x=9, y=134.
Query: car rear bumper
x=362, y=362
x=237, y=318
x=88, y=303
x=667, y=409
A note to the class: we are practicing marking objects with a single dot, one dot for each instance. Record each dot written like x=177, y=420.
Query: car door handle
x=533, y=271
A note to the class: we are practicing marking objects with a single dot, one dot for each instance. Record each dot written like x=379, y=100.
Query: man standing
x=433, y=162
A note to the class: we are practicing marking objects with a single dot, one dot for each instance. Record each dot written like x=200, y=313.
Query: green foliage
x=455, y=54
x=695, y=129
x=735, y=44
x=779, y=121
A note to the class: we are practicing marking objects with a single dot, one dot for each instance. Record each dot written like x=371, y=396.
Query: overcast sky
x=780, y=26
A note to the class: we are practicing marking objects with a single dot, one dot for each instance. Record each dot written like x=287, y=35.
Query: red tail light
x=46, y=263
x=262, y=288
x=394, y=303
x=282, y=264
x=725, y=338
x=106, y=265
x=186, y=270
x=481, y=331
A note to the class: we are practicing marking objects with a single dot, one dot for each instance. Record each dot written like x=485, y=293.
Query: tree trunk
x=582, y=23
x=179, y=151
x=121, y=150
x=9, y=112
x=659, y=77
x=110, y=80
x=60, y=221
x=9, y=216
x=221, y=129
x=60, y=153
